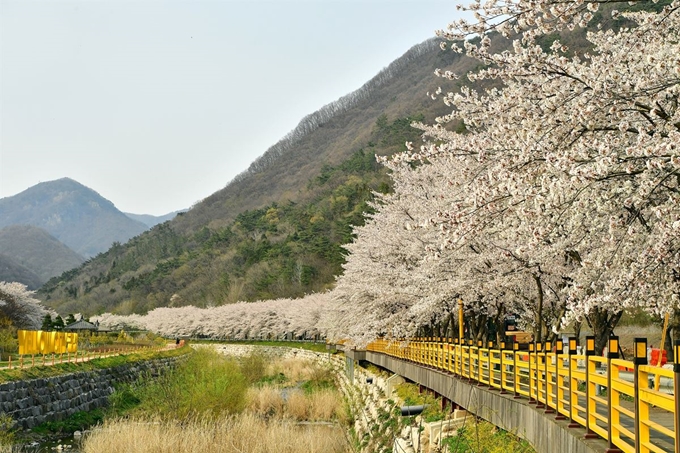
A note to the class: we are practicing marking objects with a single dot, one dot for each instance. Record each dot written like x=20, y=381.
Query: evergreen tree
x=58, y=323
x=70, y=319
x=47, y=323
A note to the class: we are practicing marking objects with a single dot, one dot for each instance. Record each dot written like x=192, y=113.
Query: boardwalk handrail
x=611, y=398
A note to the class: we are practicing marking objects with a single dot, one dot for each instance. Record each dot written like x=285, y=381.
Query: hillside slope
x=152, y=220
x=330, y=135
x=277, y=229
x=37, y=250
x=74, y=214
x=12, y=271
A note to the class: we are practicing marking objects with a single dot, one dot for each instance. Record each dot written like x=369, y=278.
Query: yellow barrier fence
x=611, y=398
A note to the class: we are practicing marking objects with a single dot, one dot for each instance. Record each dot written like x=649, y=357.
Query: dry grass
x=266, y=401
x=297, y=405
x=244, y=434
x=320, y=405
x=294, y=369
x=325, y=405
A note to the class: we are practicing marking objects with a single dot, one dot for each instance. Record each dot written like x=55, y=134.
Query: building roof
x=81, y=325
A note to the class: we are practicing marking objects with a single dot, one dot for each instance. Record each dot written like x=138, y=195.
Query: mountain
x=330, y=135
x=38, y=251
x=12, y=271
x=277, y=229
x=74, y=214
x=151, y=220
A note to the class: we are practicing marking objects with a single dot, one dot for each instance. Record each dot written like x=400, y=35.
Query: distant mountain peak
x=75, y=214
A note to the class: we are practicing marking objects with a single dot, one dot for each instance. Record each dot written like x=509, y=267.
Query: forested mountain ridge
x=328, y=136
x=152, y=220
x=165, y=261
x=36, y=250
x=277, y=229
x=13, y=271
x=74, y=214
x=279, y=250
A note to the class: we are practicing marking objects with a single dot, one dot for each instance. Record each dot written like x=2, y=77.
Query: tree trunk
x=539, y=310
x=603, y=323
x=674, y=332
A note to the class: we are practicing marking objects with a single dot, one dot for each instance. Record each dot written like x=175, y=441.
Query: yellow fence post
x=470, y=373
x=501, y=347
x=515, y=369
x=532, y=378
x=538, y=370
x=573, y=397
x=590, y=368
x=480, y=368
x=547, y=385
x=613, y=416
x=559, y=381
x=455, y=356
x=640, y=359
x=489, y=348
x=676, y=389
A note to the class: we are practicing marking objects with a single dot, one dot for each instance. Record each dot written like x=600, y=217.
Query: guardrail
x=17, y=361
x=611, y=398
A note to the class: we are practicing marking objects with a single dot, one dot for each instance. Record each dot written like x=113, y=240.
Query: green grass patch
x=273, y=380
x=479, y=435
x=411, y=396
x=17, y=374
x=206, y=384
x=77, y=422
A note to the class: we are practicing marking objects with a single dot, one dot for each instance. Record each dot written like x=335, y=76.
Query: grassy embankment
x=79, y=420
x=477, y=435
x=212, y=403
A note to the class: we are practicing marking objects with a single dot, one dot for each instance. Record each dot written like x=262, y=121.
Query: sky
x=156, y=104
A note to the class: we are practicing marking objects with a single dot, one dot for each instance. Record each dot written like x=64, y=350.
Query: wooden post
x=532, y=379
x=515, y=370
x=641, y=359
x=590, y=351
x=559, y=395
x=612, y=353
x=503, y=374
x=573, y=400
x=546, y=357
x=676, y=380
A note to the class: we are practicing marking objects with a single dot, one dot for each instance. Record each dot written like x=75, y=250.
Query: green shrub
x=7, y=434
x=206, y=384
x=253, y=366
x=482, y=436
x=411, y=396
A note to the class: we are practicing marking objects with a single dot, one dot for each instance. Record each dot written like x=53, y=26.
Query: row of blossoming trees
x=559, y=204
x=305, y=318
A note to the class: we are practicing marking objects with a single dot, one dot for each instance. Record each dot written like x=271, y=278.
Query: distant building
x=82, y=326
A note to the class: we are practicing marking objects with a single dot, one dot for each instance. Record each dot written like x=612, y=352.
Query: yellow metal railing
x=611, y=398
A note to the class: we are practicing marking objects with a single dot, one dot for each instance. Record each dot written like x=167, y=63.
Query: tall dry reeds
x=245, y=434
x=321, y=405
x=266, y=401
x=295, y=370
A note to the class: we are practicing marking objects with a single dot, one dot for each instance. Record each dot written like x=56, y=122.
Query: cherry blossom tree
x=18, y=306
x=562, y=197
x=298, y=318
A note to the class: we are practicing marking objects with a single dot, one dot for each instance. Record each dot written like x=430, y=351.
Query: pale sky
x=156, y=104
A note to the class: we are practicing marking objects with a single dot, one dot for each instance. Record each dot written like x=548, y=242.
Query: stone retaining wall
x=32, y=402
